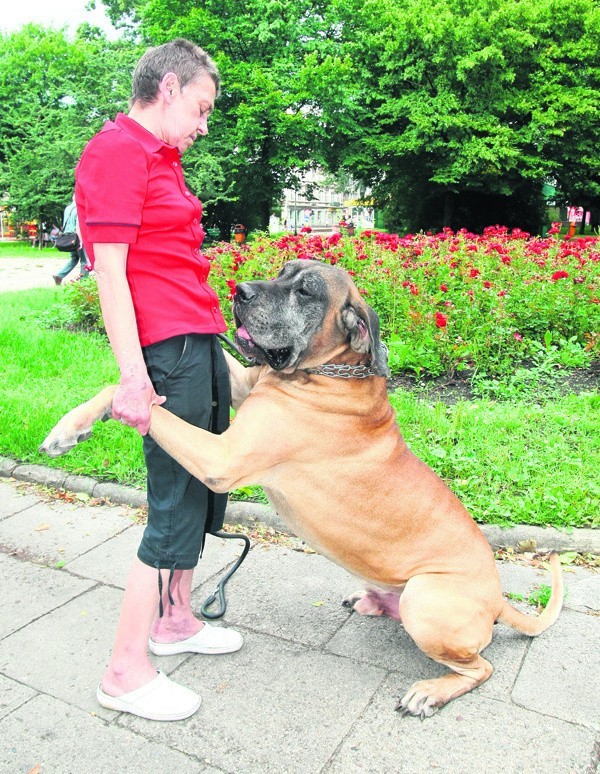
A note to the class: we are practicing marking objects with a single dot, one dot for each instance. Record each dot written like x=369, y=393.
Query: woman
x=141, y=227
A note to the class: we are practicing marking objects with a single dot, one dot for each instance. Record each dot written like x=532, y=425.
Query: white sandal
x=160, y=699
x=210, y=640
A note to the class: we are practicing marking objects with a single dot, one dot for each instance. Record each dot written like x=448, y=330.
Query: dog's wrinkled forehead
x=314, y=276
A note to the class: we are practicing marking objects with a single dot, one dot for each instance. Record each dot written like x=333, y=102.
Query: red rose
x=441, y=320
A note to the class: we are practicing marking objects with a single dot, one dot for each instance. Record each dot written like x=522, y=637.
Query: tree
x=277, y=61
x=55, y=95
x=461, y=102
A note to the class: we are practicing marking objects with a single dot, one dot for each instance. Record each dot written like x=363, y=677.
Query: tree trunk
x=448, y=209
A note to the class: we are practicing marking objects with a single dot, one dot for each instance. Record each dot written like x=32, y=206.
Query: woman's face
x=188, y=112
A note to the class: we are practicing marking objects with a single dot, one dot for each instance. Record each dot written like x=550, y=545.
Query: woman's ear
x=362, y=324
x=169, y=86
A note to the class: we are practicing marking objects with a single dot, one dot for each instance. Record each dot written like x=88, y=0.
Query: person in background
x=78, y=256
x=54, y=232
x=140, y=224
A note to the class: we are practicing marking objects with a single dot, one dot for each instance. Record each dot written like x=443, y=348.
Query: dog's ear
x=362, y=324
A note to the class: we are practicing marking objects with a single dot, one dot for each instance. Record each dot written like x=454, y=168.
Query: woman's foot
x=209, y=640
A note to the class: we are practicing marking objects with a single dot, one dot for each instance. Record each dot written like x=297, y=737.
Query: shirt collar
x=150, y=142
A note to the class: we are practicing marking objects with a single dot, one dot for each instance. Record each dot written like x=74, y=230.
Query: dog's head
x=310, y=314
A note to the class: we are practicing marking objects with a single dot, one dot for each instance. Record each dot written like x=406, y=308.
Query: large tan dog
x=330, y=457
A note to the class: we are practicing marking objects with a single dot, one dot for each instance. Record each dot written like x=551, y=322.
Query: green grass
x=514, y=462
x=509, y=462
x=45, y=373
x=23, y=249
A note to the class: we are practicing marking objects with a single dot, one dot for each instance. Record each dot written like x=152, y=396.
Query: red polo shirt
x=130, y=189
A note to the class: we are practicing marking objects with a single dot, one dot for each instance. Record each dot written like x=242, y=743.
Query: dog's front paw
x=420, y=700
x=56, y=444
x=66, y=434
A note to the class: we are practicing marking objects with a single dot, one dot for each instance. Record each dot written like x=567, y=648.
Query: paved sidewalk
x=312, y=690
x=34, y=272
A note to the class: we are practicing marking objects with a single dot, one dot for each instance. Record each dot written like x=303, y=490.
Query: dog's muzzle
x=276, y=357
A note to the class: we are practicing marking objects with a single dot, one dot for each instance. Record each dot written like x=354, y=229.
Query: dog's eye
x=303, y=292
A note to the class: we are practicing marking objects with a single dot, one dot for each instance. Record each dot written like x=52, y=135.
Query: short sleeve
x=112, y=177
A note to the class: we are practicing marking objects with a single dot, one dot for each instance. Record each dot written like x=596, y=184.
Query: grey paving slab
x=584, y=595
x=75, y=641
x=12, y=500
x=288, y=594
x=12, y=695
x=110, y=562
x=471, y=735
x=55, y=532
x=274, y=706
x=560, y=675
x=522, y=579
x=64, y=740
x=384, y=643
x=29, y=591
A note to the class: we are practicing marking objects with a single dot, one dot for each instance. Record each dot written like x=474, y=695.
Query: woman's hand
x=133, y=402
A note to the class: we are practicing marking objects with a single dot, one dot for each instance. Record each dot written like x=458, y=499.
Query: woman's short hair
x=182, y=57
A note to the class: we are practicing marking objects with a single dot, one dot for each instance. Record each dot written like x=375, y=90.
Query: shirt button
x=195, y=221
x=175, y=164
x=187, y=193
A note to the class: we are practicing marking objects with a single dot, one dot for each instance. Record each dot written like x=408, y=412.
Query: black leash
x=220, y=587
x=219, y=591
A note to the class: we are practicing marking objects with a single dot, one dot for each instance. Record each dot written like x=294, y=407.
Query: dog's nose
x=244, y=292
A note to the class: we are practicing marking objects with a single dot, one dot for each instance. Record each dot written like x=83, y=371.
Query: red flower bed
x=452, y=300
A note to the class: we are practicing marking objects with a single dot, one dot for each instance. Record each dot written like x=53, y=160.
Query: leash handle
x=219, y=591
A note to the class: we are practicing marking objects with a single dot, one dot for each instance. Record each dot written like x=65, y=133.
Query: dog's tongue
x=243, y=333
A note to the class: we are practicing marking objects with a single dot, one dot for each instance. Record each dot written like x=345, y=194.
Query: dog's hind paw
x=419, y=701
x=350, y=601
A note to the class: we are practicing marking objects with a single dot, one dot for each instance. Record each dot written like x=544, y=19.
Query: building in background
x=321, y=202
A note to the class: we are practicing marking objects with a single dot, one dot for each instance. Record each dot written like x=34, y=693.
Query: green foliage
x=80, y=308
x=453, y=110
x=278, y=68
x=540, y=596
x=55, y=95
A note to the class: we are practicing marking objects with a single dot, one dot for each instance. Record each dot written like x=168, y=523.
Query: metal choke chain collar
x=345, y=371
x=342, y=371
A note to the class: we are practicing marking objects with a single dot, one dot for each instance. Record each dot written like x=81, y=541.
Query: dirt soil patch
x=452, y=389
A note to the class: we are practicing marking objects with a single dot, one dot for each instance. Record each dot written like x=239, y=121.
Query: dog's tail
x=532, y=625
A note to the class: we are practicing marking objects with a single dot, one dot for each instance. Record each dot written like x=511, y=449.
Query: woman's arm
x=135, y=394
